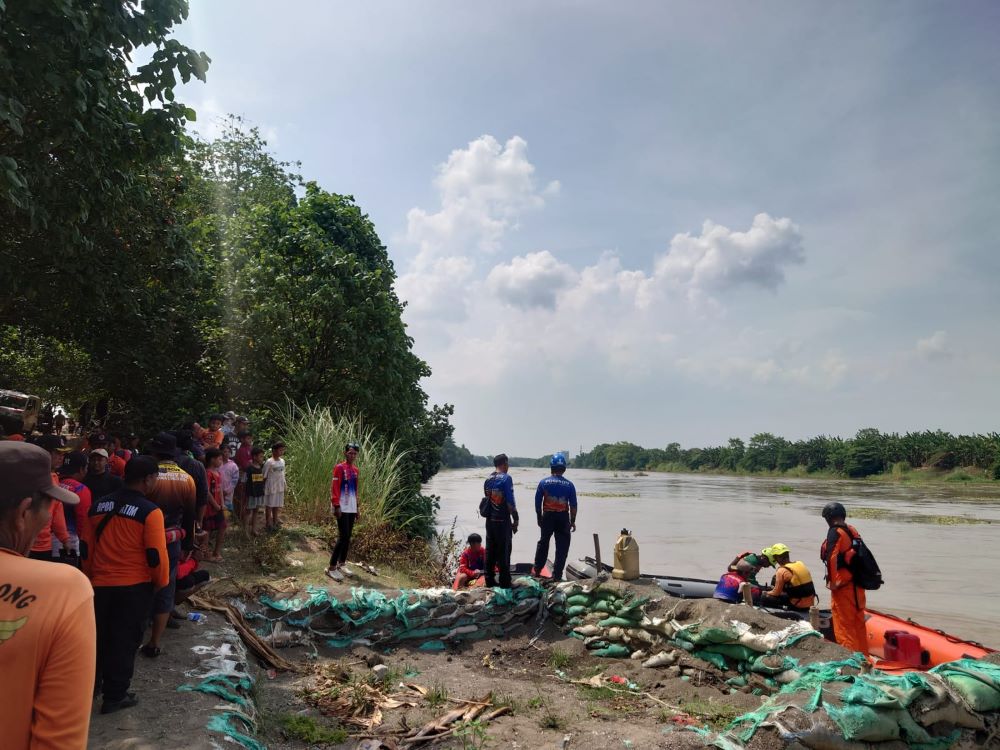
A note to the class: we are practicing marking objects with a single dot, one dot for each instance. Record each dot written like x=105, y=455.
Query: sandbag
x=578, y=600
x=613, y=651
x=615, y=621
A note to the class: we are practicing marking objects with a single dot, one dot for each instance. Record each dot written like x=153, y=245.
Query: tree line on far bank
x=868, y=453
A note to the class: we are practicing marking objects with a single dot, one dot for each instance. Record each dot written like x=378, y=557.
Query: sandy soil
x=164, y=718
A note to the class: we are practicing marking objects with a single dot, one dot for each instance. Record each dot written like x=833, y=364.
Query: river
x=943, y=575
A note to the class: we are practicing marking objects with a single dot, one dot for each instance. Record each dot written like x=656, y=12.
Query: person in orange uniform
x=847, y=600
x=124, y=552
x=175, y=494
x=47, y=633
x=42, y=548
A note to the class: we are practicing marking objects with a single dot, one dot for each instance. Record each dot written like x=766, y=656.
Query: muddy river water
x=940, y=570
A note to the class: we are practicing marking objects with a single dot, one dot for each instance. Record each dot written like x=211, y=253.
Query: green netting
x=223, y=686
x=226, y=723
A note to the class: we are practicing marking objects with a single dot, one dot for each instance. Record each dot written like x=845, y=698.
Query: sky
x=655, y=221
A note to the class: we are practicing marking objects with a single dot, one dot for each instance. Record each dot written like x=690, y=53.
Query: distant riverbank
x=963, y=474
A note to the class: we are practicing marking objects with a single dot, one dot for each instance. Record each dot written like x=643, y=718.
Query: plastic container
x=904, y=647
x=197, y=617
x=626, y=557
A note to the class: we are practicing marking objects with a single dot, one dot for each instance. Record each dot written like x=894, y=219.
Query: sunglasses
x=352, y=446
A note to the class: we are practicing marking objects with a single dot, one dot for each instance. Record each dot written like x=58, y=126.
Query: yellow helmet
x=775, y=550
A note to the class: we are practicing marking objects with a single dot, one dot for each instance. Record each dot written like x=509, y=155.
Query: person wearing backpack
x=850, y=569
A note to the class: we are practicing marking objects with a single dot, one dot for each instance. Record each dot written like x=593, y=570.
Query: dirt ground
x=537, y=678
x=164, y=718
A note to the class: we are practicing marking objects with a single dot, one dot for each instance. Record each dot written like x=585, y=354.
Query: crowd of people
x=101, y=540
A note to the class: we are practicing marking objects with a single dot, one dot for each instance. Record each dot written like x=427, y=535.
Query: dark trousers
x=553, y=523
x=499, y=539
x=345, y=525
x=121, y=613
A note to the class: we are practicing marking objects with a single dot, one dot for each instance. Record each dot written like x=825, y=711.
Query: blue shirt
x=499, y=488
x=555, y=494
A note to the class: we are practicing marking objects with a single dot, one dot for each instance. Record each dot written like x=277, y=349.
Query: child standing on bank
x=274, y=486
x=215, y=515
x=344, y=499
x=253, y=483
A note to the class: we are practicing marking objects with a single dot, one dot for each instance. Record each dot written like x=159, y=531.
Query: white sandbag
x=662, y=659
x=588, y=630
x=773, y=640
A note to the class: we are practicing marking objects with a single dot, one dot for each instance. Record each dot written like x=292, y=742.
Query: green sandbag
x=576, y=610
x=979, y=695
x=614, y=651
x=604, y=594
x=632, y=615
x=574, y=621
x=977, y=681
x=764, y=664
x=737, y=681
x=604, y=606
x=597, y=645
x=681, y=643
x=578, y=600
x=733, y=651
x=717, y=660
x=615, y=622
x=432, y=646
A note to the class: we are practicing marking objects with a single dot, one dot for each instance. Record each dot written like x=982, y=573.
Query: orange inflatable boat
x=903, y=645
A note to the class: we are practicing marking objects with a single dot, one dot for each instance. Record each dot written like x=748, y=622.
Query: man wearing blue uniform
x=555, y=506
x=501, y=522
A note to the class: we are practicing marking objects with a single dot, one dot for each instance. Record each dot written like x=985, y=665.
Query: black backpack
x=863, y=566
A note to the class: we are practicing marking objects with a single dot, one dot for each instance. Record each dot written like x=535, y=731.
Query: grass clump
x=959, y=475
x=717, y=715
x=597, y=692
x=560, y=659
x=437, y=695
x=306, y=729
x=270, y=550
x=551, y=720
x=536, y=702
x=786, y=488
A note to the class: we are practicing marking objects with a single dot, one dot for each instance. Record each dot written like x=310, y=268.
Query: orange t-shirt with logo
x=48, y=651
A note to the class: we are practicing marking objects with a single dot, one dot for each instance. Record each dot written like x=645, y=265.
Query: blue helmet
x=558, y=460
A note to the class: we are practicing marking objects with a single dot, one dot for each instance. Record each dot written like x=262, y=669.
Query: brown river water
x=942, y=575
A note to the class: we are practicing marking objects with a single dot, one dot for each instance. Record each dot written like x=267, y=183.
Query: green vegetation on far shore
x=928, y=455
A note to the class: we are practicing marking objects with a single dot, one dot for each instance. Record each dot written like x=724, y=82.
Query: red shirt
x=470, y=561
x=116, y=465
x=242, y=457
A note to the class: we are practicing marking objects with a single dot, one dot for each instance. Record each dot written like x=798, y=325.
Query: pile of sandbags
x=835, y=706
x=433, y=617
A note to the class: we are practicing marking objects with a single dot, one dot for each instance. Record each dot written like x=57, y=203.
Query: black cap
x=51, y=443
x=164, y=444
x=97, y=438
x=74, y=462
x=139, y=468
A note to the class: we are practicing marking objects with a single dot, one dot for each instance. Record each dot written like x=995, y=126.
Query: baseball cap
x=164, y=442
x=26, y=469
x=230, y=415
x=51, y=443
x=99, y=452
x=98, y=438
x=74, y=462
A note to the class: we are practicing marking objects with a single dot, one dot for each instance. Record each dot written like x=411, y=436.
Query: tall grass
x=315, y=437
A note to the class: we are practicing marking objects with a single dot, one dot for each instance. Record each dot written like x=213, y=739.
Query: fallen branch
x=253, y=642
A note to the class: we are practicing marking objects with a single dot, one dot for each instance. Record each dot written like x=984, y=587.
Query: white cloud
x=437, y=288
x=484, y=189
x=720, y=258
x=934, y=347
x=531, y=281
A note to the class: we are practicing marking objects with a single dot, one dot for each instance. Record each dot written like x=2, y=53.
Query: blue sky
x=655, y=221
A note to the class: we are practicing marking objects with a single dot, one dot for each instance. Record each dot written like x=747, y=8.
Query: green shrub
x=995, y=470
x=900, y=469
x=959, y=475
x=315, y=437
